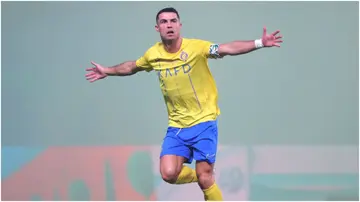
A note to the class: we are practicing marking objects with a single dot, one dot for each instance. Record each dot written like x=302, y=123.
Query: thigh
x=173, y=146
x=205, y=147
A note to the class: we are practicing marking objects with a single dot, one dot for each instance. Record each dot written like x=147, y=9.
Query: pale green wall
x=303, y=93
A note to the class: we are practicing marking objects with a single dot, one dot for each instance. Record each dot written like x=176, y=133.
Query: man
x=190, y=95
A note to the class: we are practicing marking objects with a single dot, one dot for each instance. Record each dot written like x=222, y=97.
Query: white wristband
x=258, y=43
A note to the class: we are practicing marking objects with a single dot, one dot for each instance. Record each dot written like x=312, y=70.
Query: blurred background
x=289, y=123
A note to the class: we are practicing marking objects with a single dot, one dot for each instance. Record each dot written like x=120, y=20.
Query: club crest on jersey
x=184, y=56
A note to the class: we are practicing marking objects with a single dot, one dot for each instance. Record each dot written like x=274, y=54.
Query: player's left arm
x=242, y=47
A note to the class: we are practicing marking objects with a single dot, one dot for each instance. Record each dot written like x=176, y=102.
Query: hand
x=96, y=73
x=270, y=40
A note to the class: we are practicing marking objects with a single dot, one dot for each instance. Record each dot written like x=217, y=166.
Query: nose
x=169, y=25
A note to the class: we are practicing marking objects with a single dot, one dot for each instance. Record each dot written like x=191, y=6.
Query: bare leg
x=204, y=172
x=170, y=167
x=206, y=181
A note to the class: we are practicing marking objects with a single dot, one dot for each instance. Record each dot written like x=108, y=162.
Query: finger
x=90, y=74
x=278, y=37
x=91, y=77
x=264, y=31
x=94, y=79
x=277, y=45
x=278, y=41
x=95, y=64
x=275, y=33
x=90, y=69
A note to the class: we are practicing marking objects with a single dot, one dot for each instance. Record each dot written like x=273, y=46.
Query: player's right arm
x=124, y=69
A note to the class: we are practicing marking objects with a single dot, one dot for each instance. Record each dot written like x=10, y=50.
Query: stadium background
x=289, y=123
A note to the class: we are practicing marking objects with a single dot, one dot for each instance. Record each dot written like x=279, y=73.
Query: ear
x=157, y=28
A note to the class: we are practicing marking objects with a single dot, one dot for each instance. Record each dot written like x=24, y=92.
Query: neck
x=172, y=46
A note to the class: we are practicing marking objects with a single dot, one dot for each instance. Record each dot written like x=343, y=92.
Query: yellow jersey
x=188, y=87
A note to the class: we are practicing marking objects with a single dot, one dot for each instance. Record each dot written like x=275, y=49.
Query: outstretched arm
x=99, y=72
x=242, y=47
x=124, y=69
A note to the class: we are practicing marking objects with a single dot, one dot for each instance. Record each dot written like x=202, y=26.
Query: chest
x=177, y=65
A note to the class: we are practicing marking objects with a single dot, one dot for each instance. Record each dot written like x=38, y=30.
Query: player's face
x=169, y=26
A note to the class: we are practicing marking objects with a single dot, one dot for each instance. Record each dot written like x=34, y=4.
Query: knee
x=205, y=179
x=169, y=175
x=170, y=167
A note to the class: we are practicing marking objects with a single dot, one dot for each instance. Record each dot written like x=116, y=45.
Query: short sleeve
x=143, y=62
x=210, y=50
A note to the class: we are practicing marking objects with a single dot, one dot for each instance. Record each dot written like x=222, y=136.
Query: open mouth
x=170, y=32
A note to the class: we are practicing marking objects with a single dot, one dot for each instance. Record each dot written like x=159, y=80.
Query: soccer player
x=190, y=95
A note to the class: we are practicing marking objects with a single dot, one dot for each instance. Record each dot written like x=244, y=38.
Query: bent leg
x=173, y=155
x=170, y=167
x=174, y=172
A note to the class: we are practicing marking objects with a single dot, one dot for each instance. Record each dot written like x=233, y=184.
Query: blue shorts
x=198, y=142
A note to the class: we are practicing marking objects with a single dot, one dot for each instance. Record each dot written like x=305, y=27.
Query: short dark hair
x=167, y=10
